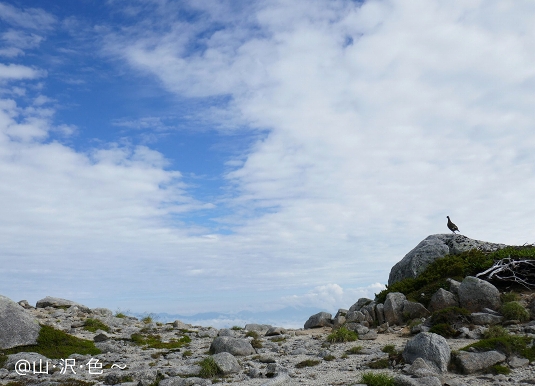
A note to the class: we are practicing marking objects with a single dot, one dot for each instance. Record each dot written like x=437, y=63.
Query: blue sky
x=222, y=156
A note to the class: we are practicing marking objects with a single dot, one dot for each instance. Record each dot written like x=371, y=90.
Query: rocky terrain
x=396, y=338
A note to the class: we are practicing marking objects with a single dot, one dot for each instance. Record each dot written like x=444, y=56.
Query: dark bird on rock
x=452, y=226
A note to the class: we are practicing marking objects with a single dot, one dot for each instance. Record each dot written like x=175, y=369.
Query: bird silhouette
x=452, y=226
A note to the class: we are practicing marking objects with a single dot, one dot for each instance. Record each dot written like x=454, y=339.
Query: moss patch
x=55, y=344
x=94, y=324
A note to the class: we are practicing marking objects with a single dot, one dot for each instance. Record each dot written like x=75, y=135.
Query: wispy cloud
x=18, y=72
x=381, y=118
x=34, y=18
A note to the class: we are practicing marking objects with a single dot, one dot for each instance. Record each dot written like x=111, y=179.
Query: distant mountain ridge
x=289, y=317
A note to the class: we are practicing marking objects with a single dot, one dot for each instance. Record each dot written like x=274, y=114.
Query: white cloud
x=21, y=40
x=34, y=18
x=18, y=72
x=383, y=118
x=377, y=133
x=332, y=297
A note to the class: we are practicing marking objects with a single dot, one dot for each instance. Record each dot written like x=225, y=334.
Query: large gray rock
x=472, y=362
x=260, y=328
x=476, y=294
x=432, y=348
x=442, y=299
x=273, y=331
x=380, y=311
x=420, y=368
x=178, y=381
x=226, y=363
x=234, y=346
x=50, y=301
x=434, y=247
x=321, y=319
x=355, y=316
x=404, y=380
x=483, y=318
x=369, y=312
x=413, y=310
x=17, y=326
x=360, y=303
x=393, y=308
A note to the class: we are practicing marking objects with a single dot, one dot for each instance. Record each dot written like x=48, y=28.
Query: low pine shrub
x=495, y=332
x=341, y=335
x=445, y=330
x=451, y=316
x=508, y=345
x=510, y=296
x=514, y=311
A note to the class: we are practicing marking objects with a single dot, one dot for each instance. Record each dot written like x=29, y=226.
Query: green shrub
x=94, y=324
x=509, y=344
x=444, y=330
x=3, y=359
x=495, y=332
x=187, y=353
x=354, y=350
x=209, y=368
x=237, y=328
x=510, y=296
x=390, y=349
x=307, y=363
x=382, y=363
x=329, y=357
x=514, y=311
x=55, y=344
x=256, y=342
x=377, y=379
x=147, y=319
x=252, y=334
x=451, y=316
x=499, y=369
x=456, y=267
x=342, y=334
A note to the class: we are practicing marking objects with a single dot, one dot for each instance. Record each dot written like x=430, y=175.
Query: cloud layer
x=381, y=118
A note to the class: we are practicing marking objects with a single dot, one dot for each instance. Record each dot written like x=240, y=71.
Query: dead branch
x=511, y=270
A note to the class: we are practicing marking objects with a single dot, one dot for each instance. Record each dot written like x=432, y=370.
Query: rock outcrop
x=321, y=319
x=434, y=247
x=476, y=294
x=17, y=327
x=50, y=301
x=471, y=362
